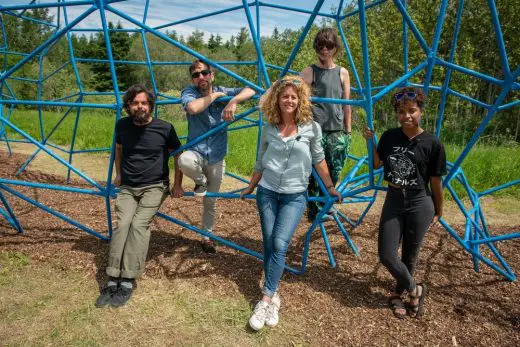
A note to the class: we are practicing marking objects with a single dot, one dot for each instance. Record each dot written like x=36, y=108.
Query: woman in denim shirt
x=290, y=145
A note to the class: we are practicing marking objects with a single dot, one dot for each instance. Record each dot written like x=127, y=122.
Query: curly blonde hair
x=269, y=101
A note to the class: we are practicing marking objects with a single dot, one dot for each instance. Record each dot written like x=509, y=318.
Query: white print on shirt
x=402, y=169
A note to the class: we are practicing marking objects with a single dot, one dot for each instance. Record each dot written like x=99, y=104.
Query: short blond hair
x=269, y=101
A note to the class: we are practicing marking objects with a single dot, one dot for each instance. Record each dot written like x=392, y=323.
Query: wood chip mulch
x=342, y=306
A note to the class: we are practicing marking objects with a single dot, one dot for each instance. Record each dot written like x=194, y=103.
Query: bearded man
x=204, y=162
x=142, y=151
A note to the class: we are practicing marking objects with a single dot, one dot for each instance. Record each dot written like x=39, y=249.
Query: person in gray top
x=329, y=80
x=290, y=145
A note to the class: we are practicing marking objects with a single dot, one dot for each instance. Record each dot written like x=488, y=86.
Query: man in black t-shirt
x=141, y=161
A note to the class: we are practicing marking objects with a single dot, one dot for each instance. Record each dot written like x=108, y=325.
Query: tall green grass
x=485, y=166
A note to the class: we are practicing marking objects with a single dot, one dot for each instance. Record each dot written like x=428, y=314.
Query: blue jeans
x=280, y=214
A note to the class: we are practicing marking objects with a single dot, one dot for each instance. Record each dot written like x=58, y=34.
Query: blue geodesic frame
x=353, y=186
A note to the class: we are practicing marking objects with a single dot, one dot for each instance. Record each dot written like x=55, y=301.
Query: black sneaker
x=209, y=246
x=200, y=189
x=121, y=296
x=107, y=292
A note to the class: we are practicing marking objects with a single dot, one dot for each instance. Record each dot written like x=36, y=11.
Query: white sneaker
x=272, y=317
x=257, y=320
x=276, y=300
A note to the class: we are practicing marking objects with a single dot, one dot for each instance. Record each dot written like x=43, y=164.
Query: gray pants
x=135, y=209
x=193, y=165
x=406, y=217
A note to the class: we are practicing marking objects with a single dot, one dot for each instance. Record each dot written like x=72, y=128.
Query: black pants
x=406, y=216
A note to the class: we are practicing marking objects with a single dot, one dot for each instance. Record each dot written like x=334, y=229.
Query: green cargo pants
x=135, y=209
x=336, y=145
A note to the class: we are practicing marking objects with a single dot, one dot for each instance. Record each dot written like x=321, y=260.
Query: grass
x=41, y=306
x=485, y=167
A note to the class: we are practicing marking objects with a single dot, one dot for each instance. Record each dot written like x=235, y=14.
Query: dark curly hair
x=419, y=99
x=132, y=92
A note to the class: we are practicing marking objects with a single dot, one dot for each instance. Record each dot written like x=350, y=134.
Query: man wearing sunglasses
x=204, y=162
x=328, y=80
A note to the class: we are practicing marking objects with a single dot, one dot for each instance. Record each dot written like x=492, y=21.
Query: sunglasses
x=408, y=95
x=291, y=81
x=329, y=45
x=197, y=74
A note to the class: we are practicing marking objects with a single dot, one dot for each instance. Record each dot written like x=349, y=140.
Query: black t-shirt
x=145, y=151
x=411, y=163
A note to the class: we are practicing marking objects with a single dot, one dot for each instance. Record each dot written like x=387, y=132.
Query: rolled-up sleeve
x=317, y=153
x=262, y=149
x=187, y=96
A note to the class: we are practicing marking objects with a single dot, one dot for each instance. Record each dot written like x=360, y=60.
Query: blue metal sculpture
x=354, y=187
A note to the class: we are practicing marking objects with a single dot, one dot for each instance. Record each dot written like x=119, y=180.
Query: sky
x=166, y=11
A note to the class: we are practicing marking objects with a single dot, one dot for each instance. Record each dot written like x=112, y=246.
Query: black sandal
x=397, y=306
x=417, y=310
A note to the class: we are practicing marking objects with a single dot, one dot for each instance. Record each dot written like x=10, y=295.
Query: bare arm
x=200, y=104
x=177, y=190
x=229, y=111
x=323, y=172
x=117, y=163
x=306, y=75
x=369, y=136
x=347, y=110
x=255, y=178
x=438, y=198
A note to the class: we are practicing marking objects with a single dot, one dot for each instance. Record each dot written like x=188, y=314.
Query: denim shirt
x=214, y=147
x=286, y=165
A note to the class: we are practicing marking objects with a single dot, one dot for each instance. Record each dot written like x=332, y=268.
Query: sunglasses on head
x=198, y=73
x=409, y=95
x=291, y=81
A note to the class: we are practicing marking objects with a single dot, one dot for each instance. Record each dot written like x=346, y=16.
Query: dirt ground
x=332, y=307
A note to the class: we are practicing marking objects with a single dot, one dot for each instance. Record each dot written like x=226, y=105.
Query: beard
x=204, y=87
x=140, y=118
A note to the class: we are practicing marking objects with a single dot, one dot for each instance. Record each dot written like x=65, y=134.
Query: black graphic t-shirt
x=145, y=151
x=411, y=163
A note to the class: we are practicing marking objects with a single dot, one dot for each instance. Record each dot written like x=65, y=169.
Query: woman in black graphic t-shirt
x=414, y=162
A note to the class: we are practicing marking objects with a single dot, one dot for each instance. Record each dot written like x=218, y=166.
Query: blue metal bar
x=45, y=5
x=48, y=42
x=490, y=113
x=453, y=233
x=368, y=6
x=294, y=9
x=148, y=60
x=349, y=54
x=185, y=48
x=405, y=42
x=435, y=44
x=338, y=101
x=24, y=79
x=51, y=103
x=56, y=71
x=241, y=179
x=510, y=105
x=500, y=38
x=412, y=26
x=367, y=85
x=230, y=9
x=67, y=97
x=92, y=150
x=469, y=72
x=279, y=68
x=53, y=212
x=51, y=187
x=44, y=141
x=306, y=29
x=327, y=246
x=399, y=81
x=28, y=137
x=29, y=19
x=468, y=98
x=345, y=235
x=10, y=216
x=256, y=43
x=500, y=187
x=73, y=140
x=447, y=79
x=496, y=238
